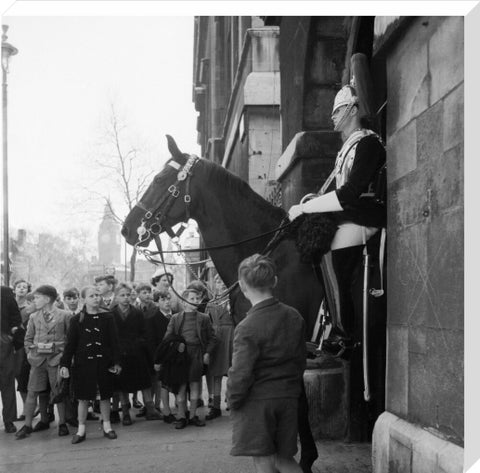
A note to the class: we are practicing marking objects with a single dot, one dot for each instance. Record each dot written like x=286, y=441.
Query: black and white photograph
x=234, y=237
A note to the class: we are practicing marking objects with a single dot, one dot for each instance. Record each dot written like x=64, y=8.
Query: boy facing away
x=264, y=382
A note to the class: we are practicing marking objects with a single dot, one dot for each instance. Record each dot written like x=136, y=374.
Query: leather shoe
x=41, y=426
x=110, y=434
x=213, y=414
x=10, y=428
x=63, y=430
x=197, y=421
x=153, y=415
x=169, y=419
x=24, y=432
x=137, y=404
x=78, y=438
x=127, y=420
x=181, y=423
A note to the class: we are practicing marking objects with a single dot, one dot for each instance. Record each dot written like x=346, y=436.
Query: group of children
x=102, y=346
x=114, y=344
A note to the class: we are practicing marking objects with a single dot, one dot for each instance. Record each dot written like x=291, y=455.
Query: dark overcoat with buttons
x=137, y=367
x=93, y=347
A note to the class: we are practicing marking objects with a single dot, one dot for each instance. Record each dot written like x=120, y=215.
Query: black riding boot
x=338, y=267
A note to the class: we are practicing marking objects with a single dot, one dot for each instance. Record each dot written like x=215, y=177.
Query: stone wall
x=425, y=249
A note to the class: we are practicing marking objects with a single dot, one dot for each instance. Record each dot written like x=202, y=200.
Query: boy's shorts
x=41, y=376
x=264, y=427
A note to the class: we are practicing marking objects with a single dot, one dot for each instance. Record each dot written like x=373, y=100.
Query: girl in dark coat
x=136, y=372
x=92, y=342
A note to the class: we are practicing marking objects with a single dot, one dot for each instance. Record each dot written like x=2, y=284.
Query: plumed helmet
x=345, y=96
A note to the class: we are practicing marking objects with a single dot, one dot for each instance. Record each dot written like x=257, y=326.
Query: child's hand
x=64, y=373
x=115, y=369
x=157, y=367
x=206, y=359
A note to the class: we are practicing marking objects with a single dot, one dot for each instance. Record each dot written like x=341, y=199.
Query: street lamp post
x=7, y=52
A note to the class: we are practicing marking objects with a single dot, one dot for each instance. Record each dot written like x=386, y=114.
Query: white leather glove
x=324, y=203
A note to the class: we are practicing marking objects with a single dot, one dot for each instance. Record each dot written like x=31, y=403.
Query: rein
x=219, y=247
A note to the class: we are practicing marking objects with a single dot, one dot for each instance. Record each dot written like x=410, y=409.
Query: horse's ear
x=173, y=148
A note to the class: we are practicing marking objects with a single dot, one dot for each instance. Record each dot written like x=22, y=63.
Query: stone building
x=264, y=89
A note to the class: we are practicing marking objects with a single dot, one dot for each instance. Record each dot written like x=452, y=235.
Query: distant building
x=109, y=239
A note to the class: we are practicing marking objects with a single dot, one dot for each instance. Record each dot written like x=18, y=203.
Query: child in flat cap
x=44, y=343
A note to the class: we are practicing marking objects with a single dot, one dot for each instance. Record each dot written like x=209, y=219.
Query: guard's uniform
x=358, y=167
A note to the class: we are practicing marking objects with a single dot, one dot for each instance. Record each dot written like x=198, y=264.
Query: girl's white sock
x=81, y=430
x=107, y=427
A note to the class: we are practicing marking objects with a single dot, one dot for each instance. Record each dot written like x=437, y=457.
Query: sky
x=61, y=84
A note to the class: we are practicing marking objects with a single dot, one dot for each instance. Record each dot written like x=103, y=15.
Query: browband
x=174, y=164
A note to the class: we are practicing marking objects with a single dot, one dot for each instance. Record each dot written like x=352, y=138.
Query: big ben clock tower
x=109, y=246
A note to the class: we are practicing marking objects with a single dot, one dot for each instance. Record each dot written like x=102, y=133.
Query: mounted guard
x=359, y=207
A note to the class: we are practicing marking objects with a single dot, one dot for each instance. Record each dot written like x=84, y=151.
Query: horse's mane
x=239, y=189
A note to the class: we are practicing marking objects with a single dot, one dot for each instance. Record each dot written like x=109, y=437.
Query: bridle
x=153, y=221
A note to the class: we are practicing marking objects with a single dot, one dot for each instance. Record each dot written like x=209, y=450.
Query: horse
x=228, y=210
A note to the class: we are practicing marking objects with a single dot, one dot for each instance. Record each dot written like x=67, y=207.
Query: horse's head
x=165, y=202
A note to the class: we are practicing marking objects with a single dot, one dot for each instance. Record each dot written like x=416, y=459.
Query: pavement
x=154, y=446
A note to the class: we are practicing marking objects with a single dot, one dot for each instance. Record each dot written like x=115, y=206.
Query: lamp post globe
x=7, y=52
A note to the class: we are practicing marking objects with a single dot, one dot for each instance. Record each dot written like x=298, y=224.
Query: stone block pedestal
x=327, y=388
x=306, y=163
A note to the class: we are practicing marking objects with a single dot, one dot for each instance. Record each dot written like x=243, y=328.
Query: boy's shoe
x=24, y=432
x=127, y=420
x=51, y=413
x=40, y=425
x=181, y=423
x=196, y=421
x=111, y=435
x=169, y=419
x=63, y=430
x=10, y=428
x=142, y=412
x=213, y=413
x=153, y=415
x=78, y=438
x=114, y=417
x=137, y=404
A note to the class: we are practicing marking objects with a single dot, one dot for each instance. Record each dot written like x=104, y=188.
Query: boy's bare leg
x=287, y=465
x=82, y=417
x=182, y=401
x=105, y=412
x=265, y=464
x=165, y=395
x=195, y=393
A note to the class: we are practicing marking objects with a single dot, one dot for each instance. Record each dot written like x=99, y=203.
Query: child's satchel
x=45, y=348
